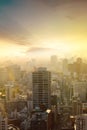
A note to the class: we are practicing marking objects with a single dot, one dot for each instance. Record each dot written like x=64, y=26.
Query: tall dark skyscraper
x=41, y=87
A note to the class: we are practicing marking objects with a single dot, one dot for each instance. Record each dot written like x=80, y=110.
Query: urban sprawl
x=48, y=95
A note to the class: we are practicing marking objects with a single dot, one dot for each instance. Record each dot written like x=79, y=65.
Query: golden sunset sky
x=43, y=27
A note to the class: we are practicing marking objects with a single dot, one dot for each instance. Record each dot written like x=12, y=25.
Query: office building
x=80, y=90
x=65, y=66
x=54, y=59
x=3, y=124
x=76, y=107
x=41, y=87
x=54, y=63
x=81, y=122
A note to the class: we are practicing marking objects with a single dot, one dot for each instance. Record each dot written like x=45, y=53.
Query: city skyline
x=39, y=28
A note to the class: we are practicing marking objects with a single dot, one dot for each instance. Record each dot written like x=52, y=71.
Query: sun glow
x=8, y=49
x=57, y=46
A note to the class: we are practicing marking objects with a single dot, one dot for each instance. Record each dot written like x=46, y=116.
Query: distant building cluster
x=50, y=96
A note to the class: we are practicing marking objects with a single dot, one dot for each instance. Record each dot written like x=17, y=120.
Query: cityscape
x=52, y=96
x=43, y=65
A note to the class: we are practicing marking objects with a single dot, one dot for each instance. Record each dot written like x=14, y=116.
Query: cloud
x=12, y=30
x=39, y=49
x=40, y=52
x=23, y=19
x=24, y=43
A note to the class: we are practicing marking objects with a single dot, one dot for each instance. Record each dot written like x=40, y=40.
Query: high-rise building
x=41, y=87
x=65, y=66
x=54, y=63
x=54, y=59
x=76, y=107
x=81, y=122
x=3, y=124
x=80, y=90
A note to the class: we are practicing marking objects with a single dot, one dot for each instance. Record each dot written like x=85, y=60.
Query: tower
x=54, y=59
x=65, y=66
x=41, y=87
x=54, y=63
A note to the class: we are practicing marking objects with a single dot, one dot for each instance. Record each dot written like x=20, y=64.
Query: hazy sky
x=43, y=27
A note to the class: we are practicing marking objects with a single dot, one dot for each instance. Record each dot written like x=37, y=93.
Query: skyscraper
x=54, y=63
x=54, y=59
x=41, y=87
x=65, y=66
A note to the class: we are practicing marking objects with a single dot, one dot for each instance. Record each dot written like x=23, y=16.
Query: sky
x=41, y=28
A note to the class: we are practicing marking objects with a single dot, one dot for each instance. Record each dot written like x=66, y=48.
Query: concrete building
x=65, y=66
x=81, y=122
x=3, y=75
x=54, y=63
x=3, y=124
x=41, y=87
x=80, y=90
x=76, y=107
x=54, y=59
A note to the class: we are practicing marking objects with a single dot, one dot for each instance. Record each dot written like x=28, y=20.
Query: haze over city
x=43, y=64
x=40, y=28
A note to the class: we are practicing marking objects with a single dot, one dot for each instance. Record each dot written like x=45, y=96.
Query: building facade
x=3, y=124
x=81, y=122
x=41, y=80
